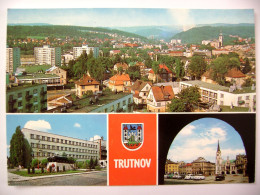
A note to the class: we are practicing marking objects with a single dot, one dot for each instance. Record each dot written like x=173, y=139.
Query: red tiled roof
x=123, y=65
x=119, y=79
x=163, y=93
x=162, y=66
x=87, y=80
x=139, y=85
x=235, y=73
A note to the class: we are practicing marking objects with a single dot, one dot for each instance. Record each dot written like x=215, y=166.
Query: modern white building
x=47, y=55
x=224, y=96
x=46, y=144
x=77, y=51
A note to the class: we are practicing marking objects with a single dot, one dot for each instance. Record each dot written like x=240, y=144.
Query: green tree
x=197, y=66
x=247, y=68
x=179, y=69
x=134, y=72
x=185, y=101
x=44, y=162
x=20, y=150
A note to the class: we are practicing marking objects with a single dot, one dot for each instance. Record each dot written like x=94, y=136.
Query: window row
x=62, y=141
x=49, y=147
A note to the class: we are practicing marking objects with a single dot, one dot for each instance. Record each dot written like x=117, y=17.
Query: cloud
x=40, y=125
x=77, y=125
x=187, y=130
x=183, y=18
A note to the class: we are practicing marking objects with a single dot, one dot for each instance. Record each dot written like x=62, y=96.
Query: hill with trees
x=198, y=34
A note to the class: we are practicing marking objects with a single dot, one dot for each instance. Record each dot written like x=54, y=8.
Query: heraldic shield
x=132, y=135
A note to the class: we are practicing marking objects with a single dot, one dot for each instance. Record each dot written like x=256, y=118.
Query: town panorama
x=76, y=69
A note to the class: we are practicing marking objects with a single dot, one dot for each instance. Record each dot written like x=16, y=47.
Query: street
x=89, y=179
x=208, y=180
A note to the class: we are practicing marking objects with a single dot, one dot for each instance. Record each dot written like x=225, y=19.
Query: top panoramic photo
x=130, y=60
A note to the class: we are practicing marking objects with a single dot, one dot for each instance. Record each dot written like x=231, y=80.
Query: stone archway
x=171, y=124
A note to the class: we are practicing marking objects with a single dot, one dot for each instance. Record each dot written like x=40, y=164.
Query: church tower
x=218, y=160
x=220, y=39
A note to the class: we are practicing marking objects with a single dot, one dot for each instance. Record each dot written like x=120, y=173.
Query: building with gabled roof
x=119, y=82
x=235, y=75
x=165, y=74
x=140, y=89
x=86, y=83
x=60, y=72
x=122, y=65
x=159, y=97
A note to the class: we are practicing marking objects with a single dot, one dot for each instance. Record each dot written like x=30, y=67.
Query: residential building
x=120, y=65
x=142, y=68
x=140, y=89
x=224, y=96
x=47, y=55
x=217, y=52
x=201, y=166
x=26, y=98
x=171, y=167
x=176, y=53
x=85, y=84
x=66, y=58
x=185, y=169
x=60, y=72
x=236, y=76
x=164, y=74
x=51, y=80
x=46, y=144
x=12, y=59
x=77, y=51
x=241, y=164
x=158, y=98
x=119, y=82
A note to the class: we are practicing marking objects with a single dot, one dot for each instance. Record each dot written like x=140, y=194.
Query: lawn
x=39, y=173
x=36, y=68
x=235, y=109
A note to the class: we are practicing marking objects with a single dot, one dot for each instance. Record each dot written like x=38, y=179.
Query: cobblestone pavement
x=75, y=179
x=208, y=180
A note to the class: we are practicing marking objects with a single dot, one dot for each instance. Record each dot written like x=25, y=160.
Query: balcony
x=29, y=105
x=43, y=92
x=12, y=101
x=28, y=97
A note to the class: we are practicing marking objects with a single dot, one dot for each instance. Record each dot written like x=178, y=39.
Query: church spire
x=218, y=147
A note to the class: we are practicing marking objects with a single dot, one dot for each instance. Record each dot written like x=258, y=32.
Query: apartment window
x=43, y=146
x=35, y=99
x=48, y=146
x=83, y=87
x=32, y=136
x=69, y=142
x=43, y=138
x=239, y=98
x=66, y=148
x=35, y=91
x=61, y=148
x=96, y=86
x=37, y=136
x=61, y=141
x=79, y=144
x=48, y=139
x=247, y=97
x=158, y=104
x=76, y=143
x=222, y=95
x=53, y=139
x=53, y=147
x=58, y=147
x=32, y=145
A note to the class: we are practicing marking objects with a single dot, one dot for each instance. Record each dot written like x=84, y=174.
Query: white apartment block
x=77, y=51
x=46, y=145
x=221, y=95
x=47, y=55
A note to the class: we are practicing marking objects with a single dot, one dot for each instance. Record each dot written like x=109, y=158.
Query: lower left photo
x=56, y=150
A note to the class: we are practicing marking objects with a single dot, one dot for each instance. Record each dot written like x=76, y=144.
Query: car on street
x=199, y=177
x=219, y=177
x=189, y=177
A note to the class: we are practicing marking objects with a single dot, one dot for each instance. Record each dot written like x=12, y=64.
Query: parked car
x=182, y=176
x=199, y=177
x=189, y=177
x=219, y=177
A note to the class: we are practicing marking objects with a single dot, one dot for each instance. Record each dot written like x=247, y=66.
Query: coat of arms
x=132, y=135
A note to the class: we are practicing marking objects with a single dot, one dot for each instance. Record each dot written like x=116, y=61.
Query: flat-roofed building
x=47, y=55
x=46, y=144
x=77, y=51
x=224, y=96
x=12, y=59
x=26, y=98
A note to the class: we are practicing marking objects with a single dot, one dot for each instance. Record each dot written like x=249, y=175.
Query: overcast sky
x=130, y=16
x=200, y=139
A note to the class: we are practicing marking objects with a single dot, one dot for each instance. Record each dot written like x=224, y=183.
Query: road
x=208, y=180
x=90, y=179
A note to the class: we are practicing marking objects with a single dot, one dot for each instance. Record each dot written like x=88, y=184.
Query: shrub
x=98, y=168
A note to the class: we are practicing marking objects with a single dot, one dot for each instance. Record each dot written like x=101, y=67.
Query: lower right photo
x=206, y=148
